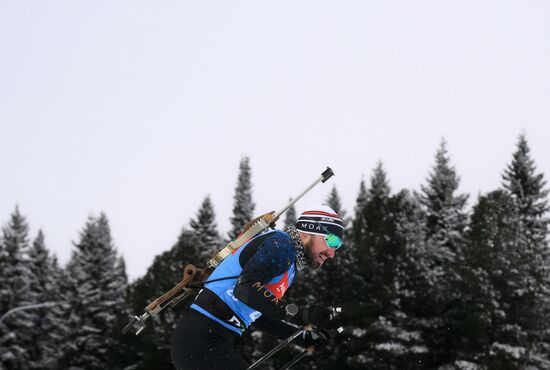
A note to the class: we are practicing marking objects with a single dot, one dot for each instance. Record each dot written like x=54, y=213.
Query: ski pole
x=308, y=350
x=298, y=358
x=284, y=343
x=279, y=347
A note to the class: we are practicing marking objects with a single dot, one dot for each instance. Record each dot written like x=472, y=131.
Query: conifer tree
x=43, y=288
x=56, y=315
x=446, y=221
x=15, y=338
x=405, y=338
x=528, y=190
x=377, y=257
x=388, y=312
x=243, y=208
x=334, y=201
x=290, y=216
x=94, y=297
x=498, y=298
x=373, y=233
x=360, y=201
x=362, y=196
x=205, y=228
x=121, y=277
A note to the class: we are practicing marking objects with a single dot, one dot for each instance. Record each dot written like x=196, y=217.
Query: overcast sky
x=141, y=109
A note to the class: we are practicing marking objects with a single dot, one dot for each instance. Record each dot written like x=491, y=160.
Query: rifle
x=193, y=276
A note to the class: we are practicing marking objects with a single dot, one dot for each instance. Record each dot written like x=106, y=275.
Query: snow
x=514, y=351
x=467, y=365
x=358, y=332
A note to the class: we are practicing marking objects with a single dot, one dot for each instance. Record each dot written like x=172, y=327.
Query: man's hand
x=319, y=339
x=319, y=316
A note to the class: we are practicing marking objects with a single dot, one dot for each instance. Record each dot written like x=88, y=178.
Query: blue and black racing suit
x=262, y=270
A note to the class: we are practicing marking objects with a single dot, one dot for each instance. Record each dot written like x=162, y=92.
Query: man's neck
x=301, y=261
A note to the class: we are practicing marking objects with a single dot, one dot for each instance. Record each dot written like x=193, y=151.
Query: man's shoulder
x=280, y=239
x=279, y=245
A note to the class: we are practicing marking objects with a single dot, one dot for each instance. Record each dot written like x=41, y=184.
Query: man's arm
x=273, y=257
x=276, y=328
x=319, y=339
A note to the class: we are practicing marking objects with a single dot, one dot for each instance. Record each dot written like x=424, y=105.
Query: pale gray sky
x=141, y=109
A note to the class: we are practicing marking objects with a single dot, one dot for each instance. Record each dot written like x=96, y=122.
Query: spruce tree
x=334, y=201
x=205, y=229
x=445, y=224
x=362, y=196
x=371, y=235
x=94, y=295
x=498, y=296
x=405, y=338
x=360, y=201
x=377, y=255
x=47, y=322
x=528, y=189
x=57, y=312
x=290, y=216
x=243, y=208
x=15, y=329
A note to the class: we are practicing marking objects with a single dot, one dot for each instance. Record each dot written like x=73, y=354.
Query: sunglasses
x=333, y=241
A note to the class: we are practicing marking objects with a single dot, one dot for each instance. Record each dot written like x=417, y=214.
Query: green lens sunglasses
x=333, y=241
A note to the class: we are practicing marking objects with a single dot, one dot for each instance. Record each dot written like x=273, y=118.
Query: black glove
x=319, y=316
x=319, y=339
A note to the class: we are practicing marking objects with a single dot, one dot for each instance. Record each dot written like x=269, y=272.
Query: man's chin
x=313, y=263
x=317, y=264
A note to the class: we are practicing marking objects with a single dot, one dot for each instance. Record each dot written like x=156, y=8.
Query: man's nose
x=331, y=252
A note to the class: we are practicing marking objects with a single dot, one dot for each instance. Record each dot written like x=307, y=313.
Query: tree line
x=424, y=282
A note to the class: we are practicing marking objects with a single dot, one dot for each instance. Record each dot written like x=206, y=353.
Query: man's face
x=317, y=251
